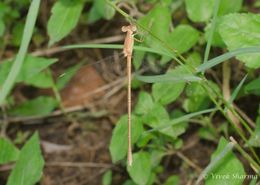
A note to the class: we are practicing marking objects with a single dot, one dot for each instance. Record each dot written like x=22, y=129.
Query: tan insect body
x=128, y=50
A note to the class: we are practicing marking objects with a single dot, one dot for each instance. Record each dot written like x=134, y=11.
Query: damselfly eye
x=124, y=28
x=133, y=28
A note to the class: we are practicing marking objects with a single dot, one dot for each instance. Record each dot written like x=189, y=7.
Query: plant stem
x=255, y=167
x=213, y=26
x=119, y=10
x=225, y=115
x=5, y=122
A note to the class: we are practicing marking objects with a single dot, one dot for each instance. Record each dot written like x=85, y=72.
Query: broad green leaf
x=93, y=15
x=18, y=62
x=207, y=133
x=4, y=9
x=104, y=9
x=216, y=38
x=144, y=104
x=8, y=152
x=157, y=21
x=118, y=144
x=129, y=182
x=228, y=168
x=166, y=93
x=194, y=59
x=174, y=131
x=41, y=80
x=107, y=178
x=28, y=168
x=254, y=139
x=215, y=162
x=254, y=181
x=172, y=180
x=230, y=6
x=253, y=87
x=202, y=10
x=39, y=106
x=241, y=31
x=182, y=126
x=5, y=68
x=199, y=10
x=197, y=98
x=64, y=17
x=17, y=32
x=257, y=4
x=144, y=139
x=31, y=67
x=2, y=27
x=162, y=119
x=180, y=120
x=183, y=38
x=141, y=169
x=152, y=178
x=177, y=143
x=154, y=120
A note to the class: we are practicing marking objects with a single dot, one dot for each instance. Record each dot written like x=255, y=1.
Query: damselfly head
x=129, y=28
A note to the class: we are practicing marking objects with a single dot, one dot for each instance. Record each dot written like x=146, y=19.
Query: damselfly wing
x=101, y=79
x=92, y=81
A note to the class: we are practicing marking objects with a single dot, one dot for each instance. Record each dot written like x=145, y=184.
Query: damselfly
x=127, y=51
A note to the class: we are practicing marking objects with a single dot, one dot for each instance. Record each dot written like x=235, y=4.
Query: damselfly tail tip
x=130, y=162
x=130, y=159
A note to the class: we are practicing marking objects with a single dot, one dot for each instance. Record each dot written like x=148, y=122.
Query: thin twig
x=243, y=114
x=58, y=49
x=105, y=87
x=5, y=122
x=53, y=114
x=70, y=109
x=9, y=167
x=78, y=164
x=103, y=170
x=254, y=165
x=189, y=162
x=226, y=91
x=6, y=167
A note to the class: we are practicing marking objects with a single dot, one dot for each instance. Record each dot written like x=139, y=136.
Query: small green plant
x=209, y=33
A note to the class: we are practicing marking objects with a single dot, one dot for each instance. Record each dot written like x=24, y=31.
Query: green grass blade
x=215, y=61
x=181, y=119
x=27, y=34
x=236, y=91
x=168, y=78
x=119, y=46
x=101, y=46
x=213, y=27
x=216, y=161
